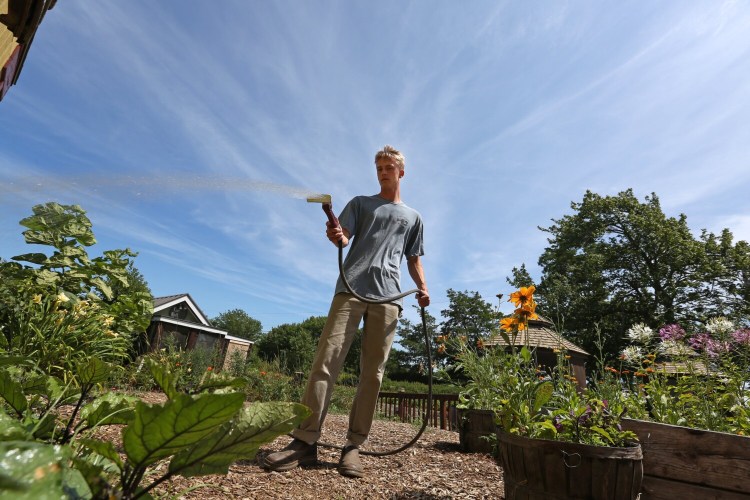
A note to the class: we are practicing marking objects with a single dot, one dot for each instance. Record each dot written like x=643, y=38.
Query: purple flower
x=714, y=348
x=742, y=337
x=585, y=416
x=699, y=341
x=671, y=332
x=557, y=424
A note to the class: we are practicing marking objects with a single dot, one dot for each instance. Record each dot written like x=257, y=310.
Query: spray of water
x=147, y=185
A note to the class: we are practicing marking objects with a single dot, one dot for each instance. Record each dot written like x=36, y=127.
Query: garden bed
x=434, y=468
x=692, y=463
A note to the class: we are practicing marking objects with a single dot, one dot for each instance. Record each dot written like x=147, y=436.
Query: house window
x=206, y=341
x=174, y=338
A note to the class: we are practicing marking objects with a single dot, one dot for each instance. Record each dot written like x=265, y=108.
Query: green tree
x=291, y=344
x=726, y=287
x=410, y=336
x=520, y=277
x=136, y=282
x=617, y=261
x=238, y=323
x=468, y=315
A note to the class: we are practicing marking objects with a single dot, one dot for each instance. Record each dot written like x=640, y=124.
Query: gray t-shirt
x=381, y=233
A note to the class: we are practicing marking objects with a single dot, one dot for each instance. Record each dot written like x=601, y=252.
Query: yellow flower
x=61, y=297
x=509, y=324
x=527, y=312
x=523, y=296
x=108, y=320
x=37, y=299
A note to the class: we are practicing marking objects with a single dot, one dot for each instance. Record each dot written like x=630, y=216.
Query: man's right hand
x=336, y=234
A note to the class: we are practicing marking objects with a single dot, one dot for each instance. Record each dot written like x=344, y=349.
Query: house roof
x=161, y=303
x=540, y=333
x=19, y=21
x=681, y=368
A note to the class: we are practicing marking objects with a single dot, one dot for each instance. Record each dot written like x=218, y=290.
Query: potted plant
x=554, y=440
x=479, y=371
x=691, y=394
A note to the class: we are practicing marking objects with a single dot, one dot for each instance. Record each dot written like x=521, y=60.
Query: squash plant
x=48, y=450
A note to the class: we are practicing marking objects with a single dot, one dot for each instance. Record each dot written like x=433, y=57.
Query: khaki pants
x=343, y=320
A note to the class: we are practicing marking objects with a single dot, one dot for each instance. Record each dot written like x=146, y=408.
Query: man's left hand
x=423, y=298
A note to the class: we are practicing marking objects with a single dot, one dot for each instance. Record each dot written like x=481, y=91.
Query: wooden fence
x=411, y=407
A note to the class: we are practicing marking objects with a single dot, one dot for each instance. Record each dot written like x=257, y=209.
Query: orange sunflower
x=523, y=296
x=509, y=324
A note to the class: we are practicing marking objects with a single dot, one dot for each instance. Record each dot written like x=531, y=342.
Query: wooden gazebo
x=542, y=338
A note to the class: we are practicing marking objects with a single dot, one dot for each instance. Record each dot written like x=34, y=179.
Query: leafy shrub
x=691, y=378
x=61, y=307
x=44, y=450
x=266, y=382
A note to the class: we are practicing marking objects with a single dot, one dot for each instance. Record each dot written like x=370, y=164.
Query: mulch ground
x=434, y=468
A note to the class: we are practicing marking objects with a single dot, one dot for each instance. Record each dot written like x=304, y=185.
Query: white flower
x=632, y=354
x=674, y=348
x=719, y=326
x=640, y=333
x=61, y=297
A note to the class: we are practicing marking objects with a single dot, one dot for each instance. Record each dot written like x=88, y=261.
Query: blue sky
x=190, y=131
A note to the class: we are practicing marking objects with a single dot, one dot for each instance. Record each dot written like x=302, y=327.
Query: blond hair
x=392, y=153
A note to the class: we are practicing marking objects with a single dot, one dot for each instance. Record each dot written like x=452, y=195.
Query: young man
x=382, y=231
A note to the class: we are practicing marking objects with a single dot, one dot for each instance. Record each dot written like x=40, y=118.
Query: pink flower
x=742, y=337
x=671, y=332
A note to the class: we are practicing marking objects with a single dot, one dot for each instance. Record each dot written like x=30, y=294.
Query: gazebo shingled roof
x=540, y=333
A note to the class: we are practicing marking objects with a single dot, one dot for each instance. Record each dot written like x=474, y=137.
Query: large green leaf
x=44, y=428
x=103, y=287
x=34, y=258
x=164, y=377
x=216, y=381
x=103, y=448
x=93, y=371
x=158, y=431
x=542, y=394
x=109, y=409
x=256, y=425
x=13, y=360
x=12, y=392
x=11, y=429
x=33, y=471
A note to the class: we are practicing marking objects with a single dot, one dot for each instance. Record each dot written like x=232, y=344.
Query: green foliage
x=239, y=324
x=617, y=261
x=66, y=303
x=528, y=398
x=62, y=319
x=412, y=341
x=468, y=315
x=188, y=367
x=266, y=381
x=695, y=378
x=389, y=385
x=292, y=345
x=47, y=456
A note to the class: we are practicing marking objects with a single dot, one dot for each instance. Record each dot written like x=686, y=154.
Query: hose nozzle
x=325, y=199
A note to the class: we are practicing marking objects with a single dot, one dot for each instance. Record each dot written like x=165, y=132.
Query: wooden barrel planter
x=474, y=427
x=540, y=469
x=682, y=462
